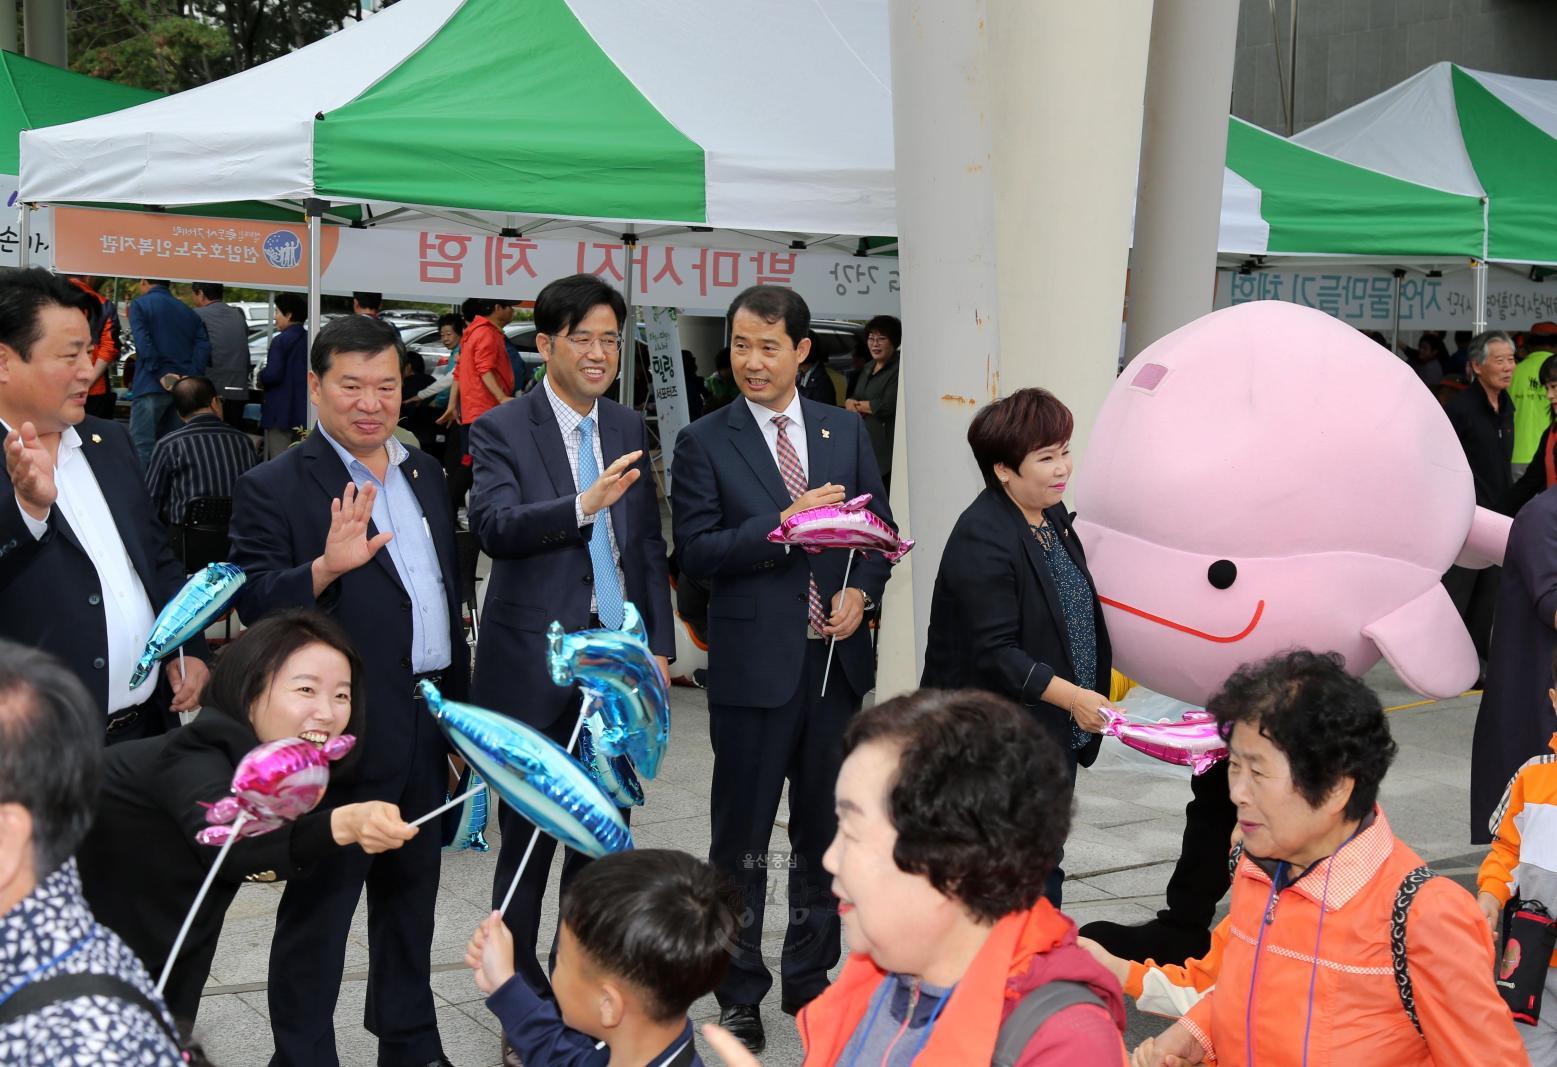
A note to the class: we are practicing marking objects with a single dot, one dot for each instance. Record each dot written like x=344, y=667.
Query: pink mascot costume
x=1267, y=477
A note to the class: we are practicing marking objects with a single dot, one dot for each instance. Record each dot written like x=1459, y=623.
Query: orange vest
x=967, y=1029
x=1354, y=1014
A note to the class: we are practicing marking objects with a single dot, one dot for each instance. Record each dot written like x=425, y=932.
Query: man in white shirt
x=85, y=565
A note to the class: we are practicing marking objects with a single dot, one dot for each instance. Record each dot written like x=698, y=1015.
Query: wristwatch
x=869, y=603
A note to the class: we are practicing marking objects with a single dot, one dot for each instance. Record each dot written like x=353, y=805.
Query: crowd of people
x=929, y=828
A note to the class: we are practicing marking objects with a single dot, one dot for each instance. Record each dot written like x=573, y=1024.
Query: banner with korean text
x=665, y=373
x=447, y=266
x=1364, y=296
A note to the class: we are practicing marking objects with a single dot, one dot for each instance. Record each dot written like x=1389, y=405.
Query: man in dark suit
x=84, y=564
x=740, y=472
x=564, y=503
x=354, y=523
x=170, y=339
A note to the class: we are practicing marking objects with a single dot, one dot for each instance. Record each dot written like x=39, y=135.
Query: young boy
x=644, y=934
x=1524, y=857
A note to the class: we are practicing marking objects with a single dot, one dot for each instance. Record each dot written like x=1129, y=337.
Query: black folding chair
x=203, y=537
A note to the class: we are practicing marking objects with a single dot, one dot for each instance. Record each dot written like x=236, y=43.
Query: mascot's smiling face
x=1263, y=478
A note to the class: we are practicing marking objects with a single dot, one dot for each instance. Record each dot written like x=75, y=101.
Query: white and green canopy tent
x=1490, y=136
x=510, y=112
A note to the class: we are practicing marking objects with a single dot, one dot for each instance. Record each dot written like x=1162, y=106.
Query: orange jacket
x=1171, y=990
x=103, y=348
x=482, y=350
x=1025, y=950
x=1524, y=842
x=1355, y=1015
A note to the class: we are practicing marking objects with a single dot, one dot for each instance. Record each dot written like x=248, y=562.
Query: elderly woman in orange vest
x=1340, y=946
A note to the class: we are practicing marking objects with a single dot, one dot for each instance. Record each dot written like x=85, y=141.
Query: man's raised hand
x=31, y=470
x=347, y=546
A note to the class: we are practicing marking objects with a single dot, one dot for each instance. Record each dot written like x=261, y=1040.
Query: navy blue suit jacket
x=280, y=518
x=521, y=508
x=169, y=339
x=50, y=595
x=725, y=498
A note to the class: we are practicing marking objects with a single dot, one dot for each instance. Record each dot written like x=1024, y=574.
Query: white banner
x=40, y=235
x=1364, y=296
x=443, y=265
x=670, y=400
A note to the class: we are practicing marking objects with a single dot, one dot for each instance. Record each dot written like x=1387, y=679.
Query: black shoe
x=793, y=1005
x=441, y=1061
x=510, y=1057
x=1159, y=941
x=744, y=1022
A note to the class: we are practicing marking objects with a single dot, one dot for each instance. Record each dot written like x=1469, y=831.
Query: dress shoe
x=744, y=1022
x=441, y=1061
x=510, y=1057
x=793, y=1005
x=1158, y=940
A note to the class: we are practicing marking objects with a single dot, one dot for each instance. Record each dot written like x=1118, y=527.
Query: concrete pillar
x=9, y=25
x=43, y=24
x=1189, y=82
x=1017, y=126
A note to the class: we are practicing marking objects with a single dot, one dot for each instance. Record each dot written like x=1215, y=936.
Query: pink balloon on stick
x=1192, y=742
x=274, y=784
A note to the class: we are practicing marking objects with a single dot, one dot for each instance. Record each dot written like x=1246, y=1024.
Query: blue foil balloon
x=472, y=832
x=618, y=669
x=201, y=602
x=534, y=775
x=614, y=774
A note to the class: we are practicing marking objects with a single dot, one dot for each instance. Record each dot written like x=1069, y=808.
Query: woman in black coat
x=292, y=675
x=1014, y=610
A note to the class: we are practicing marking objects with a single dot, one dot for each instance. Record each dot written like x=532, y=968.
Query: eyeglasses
x=608, y=342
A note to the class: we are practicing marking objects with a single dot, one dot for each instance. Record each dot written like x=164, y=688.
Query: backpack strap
x=1032, y=1011
x=36, y=996
x=1413, y=881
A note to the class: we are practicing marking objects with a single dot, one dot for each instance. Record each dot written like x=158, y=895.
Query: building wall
x=1349, y=50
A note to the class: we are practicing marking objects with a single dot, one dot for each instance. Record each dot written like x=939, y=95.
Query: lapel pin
x=826, y=433
x=415, y=473
x=97, y=439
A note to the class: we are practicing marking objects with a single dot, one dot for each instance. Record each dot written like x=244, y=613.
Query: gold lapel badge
x=97, y=439
x=826, y=434
x=415, y=473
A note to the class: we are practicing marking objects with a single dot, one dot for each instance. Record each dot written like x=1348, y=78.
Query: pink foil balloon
x=847, y=525
x=1192, y=742
x=274, y=784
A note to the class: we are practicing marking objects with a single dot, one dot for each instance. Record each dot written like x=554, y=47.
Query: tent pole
x=629, y=349
x=1394, y=333
x=24, y=229
x=315, y=209
x=1479, y=324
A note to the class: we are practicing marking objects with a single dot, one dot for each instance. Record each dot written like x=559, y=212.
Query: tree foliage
x=172, y=45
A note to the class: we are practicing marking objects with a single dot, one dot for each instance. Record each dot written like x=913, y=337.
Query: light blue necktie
x=608, y=590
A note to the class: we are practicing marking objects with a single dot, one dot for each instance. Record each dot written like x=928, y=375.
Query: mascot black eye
x=1222, y=573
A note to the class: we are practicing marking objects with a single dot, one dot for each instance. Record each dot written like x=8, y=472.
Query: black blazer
x=280, y=516
x=995, y=616
x=140, y=863
x=50, y=596
x=522, y=509
x=726, y=495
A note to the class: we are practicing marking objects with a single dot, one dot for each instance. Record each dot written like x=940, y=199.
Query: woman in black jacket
x=292, y=675
x=1014, y=609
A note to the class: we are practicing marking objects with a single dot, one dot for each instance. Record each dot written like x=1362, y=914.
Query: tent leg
x=315, y=209
x=1479, y=273
x=1394, y=333
x=628, y=369
x=24, y=228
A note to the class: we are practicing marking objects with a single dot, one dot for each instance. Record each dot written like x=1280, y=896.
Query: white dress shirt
x=572, y=436
x=127, y=610
x=795, y=430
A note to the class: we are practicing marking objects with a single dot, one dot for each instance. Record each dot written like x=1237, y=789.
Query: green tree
x=172, y=45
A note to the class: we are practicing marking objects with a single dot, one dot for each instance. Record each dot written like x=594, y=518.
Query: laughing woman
x=1014, y=609
x=292, y=675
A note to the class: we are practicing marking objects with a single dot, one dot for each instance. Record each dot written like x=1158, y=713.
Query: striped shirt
x=204, y=457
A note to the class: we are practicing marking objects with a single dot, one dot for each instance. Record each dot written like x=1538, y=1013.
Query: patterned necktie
x=608, y=589
x=795, y=484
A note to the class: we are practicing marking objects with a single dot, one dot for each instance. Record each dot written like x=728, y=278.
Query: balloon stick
x=189, y=918
x=829, y=669
x=535, y=835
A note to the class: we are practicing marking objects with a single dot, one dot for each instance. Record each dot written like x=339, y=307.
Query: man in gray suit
x=229, y=331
